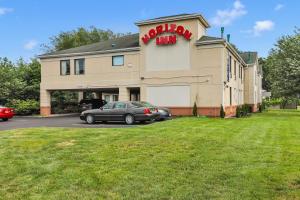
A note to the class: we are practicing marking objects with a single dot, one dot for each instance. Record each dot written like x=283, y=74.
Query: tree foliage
x=78, y=37
x=19, y=80
x=282, y=67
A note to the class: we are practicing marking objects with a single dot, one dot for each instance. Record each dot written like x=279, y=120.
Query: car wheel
x=129, y=119
x=5, y=119
x=90, y=119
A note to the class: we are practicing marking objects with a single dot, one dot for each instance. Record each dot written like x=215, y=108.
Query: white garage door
x=169, y=95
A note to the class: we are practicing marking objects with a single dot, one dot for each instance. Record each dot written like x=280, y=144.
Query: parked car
x=6, y=113
x=88, y=104
x=128, y=112
x=164, y=113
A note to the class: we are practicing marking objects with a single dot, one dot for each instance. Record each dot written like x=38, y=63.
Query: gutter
x=89, y=53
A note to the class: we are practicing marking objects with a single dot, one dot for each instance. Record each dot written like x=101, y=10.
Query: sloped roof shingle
x=129, y=41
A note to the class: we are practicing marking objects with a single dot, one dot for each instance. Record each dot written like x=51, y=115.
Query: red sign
x=166, y=28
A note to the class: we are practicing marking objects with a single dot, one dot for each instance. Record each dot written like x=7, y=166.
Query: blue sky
x=253, y=24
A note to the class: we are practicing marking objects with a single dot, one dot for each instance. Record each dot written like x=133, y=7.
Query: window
x=117, y=60
x=79, y=66
x=115, y=97
x=65, y=67
x=120, y=105
x=241, y=73
x=230, y=95
x=230, y=66
x=108, y=106
x=235, y=70
x=107, y=98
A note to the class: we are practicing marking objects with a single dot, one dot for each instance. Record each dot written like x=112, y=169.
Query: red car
x=6, y=113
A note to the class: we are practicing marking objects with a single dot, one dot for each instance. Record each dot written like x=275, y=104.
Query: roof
x=208, y=38
x=125, y=42
x=174, y=18
x=249, y=57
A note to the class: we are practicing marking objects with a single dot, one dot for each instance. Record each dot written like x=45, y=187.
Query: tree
x=266, y=84
x=78, y=37
x=20, y=84
x=283, y=64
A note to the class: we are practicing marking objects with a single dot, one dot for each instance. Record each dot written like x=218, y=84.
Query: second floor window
x=65, y=67
x=79, y=66
x=117, y=60
x=235, y=70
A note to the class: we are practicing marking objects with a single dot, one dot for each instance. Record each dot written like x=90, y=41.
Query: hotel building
x=171, y=62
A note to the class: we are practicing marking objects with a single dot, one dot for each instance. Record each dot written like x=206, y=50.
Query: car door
x=104, y=112
x=118, y=111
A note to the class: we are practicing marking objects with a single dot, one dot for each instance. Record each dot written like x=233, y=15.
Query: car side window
x=108, y=106
x=120, y=105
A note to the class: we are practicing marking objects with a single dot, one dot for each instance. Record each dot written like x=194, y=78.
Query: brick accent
x=206, y=111
x=230, y=111
x=181, y=111
x=45, y=111
x=254, y=107
x=209, y=111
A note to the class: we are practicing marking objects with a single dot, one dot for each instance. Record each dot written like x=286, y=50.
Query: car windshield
x=146, y=104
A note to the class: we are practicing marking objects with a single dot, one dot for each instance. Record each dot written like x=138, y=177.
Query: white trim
x=175, y=18
x=89, y=53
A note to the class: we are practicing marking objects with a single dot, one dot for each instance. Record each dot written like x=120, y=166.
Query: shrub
x=195, y=111
x=239, y=112
x=24, y=107
x=222, y=112
x=260, y=107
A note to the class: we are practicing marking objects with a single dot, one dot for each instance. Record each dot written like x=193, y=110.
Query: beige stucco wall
x=253, y=84
x=203, y=71
x=236, y=83
x=99, y=72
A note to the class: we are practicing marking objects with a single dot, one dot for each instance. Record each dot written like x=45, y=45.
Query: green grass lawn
x=186, y=158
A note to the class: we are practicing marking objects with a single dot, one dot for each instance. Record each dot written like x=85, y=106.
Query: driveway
x=66, y=121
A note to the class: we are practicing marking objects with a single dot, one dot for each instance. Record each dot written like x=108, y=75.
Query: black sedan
x=164, y=113
x=128, y=112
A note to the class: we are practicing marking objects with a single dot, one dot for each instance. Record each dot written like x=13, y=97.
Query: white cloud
x=227, y=16
x=278, y=7
x=4, y=11
x=262, y=26
x=30, y=45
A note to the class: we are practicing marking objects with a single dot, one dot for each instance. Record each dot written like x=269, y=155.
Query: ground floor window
x=230, y=95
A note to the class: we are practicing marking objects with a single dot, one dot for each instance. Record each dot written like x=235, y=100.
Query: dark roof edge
x=174, y=18
x=89, y=53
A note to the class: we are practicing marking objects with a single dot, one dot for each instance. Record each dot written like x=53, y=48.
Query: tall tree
x=266, y=84
x=283, y=64
x=78, y=37
x=19, y=81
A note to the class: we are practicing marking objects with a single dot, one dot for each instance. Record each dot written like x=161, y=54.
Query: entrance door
x=110, y=97
x=134, y=94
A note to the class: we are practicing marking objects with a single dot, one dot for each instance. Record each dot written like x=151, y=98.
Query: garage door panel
x=169, y=95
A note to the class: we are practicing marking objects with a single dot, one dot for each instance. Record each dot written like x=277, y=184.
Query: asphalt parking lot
x=66, y=121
